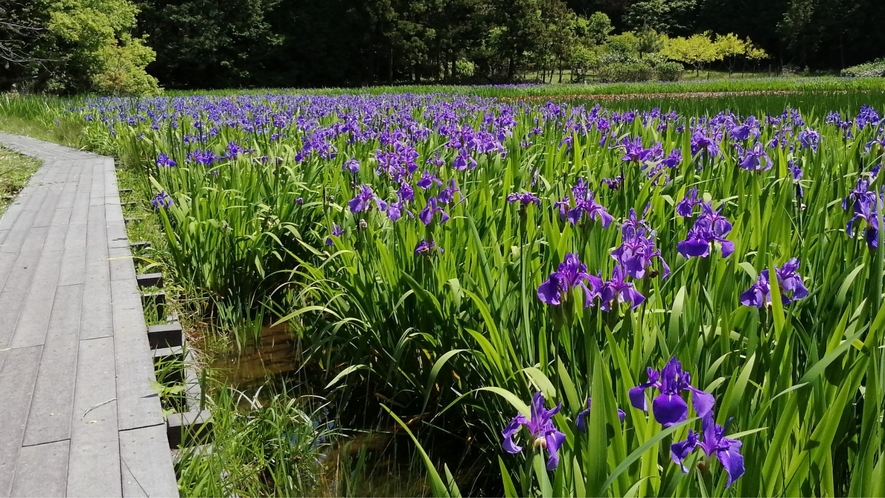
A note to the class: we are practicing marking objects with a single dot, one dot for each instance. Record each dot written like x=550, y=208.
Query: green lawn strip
x=15, y=171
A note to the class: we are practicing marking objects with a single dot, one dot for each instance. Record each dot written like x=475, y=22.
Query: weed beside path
x=15, y=171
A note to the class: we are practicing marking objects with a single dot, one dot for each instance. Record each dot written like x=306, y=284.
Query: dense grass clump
x=712, y=280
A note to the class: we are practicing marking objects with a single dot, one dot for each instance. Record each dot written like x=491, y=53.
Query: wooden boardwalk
x=78, y=416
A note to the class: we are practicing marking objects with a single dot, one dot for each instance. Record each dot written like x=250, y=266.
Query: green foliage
x=695, y=50
x=872, y=69
x=120, y=69
x=624, y=44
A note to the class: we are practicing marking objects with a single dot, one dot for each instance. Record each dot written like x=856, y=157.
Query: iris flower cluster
x=862, y=202
x=710, y=227
x=788, y=281
x=162, y=200
x=584, y=203
x=669, y=408
x=572, y=274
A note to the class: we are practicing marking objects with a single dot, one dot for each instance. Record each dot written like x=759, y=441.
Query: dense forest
x=80, y=45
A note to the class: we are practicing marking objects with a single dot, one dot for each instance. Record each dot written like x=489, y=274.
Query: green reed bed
x=265, y=216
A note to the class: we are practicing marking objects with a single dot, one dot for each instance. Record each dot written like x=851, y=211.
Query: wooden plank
x=17, y=379
x=17, y=283
x=94, y=464
x=97, y=312
x=73, y=265
x=139, y=404
x=33, y=321
x=52, y=404
x=147, y=463
x=42, y=470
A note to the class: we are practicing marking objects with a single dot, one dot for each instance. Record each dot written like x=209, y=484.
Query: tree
x=695, y=50
x=729, y=47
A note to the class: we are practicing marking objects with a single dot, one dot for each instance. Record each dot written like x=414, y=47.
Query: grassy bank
x=15, y=171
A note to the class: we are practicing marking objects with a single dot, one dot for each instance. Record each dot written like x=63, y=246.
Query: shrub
x=669, y=71
x=872, y=69
x=626, y=71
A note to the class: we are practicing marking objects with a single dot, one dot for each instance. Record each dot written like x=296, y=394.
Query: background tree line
x=81, y=45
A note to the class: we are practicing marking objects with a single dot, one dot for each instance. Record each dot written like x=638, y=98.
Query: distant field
x=816, y=84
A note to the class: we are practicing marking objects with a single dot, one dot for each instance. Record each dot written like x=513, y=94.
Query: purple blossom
x=727, y=450
x=685, y=207
x=809, y=139
x=637, y=251
x=427, y=247
x=427, y=180
x=542, y=433
x=525, y=198
x=364, y=199
x=447, y=195
x=571, y=274
x=580, y=420
x=162, y=200
x=755, y=159
x=709, y=228
x=613, y=183
x=585, y=203
x=427, y=214
x=700, y=142
x=788, y=281
x=351, y=165
x=618, y=290
x=337, y=231
x=674, y=159
x=164, y=161
x=668, y=407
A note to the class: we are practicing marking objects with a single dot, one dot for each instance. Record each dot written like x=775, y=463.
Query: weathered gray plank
x=42, y=470
x=52, y=404
x=73, y=265
x=34, y=316
x=17, y=380
x=94, y=465
x=17, y=283
x=97, y=314
x=139, y=404
x=147, y=463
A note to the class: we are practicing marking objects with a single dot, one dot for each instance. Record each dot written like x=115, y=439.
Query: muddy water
x=274, y=355
x=369, y=461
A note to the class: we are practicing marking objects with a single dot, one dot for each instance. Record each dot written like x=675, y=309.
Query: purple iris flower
x=585, y=202
x=363, y=200
x=581, y=423
x=447, y=195
x=396, y=209
x=863, y=202
x=637, y=251
x=727, y=450
x=427, y=180
x=351, y=165
x=755, y=159
x=685, y=207
x=797, y=173
x=710, y=227
x=432, y=207
x=164, y=161
x=427, y=247
x=809, y=139
x=674, y=159
x=162, y=200
x=668, y=407
x=740, y=132
x=634, y=151
x=542, y=432
x=613, y=183
x=571, y=274
x=618, y=290
x=337, y=231
x=702, y=143
x=525, y=198
x=405, y=193
x=788, y=281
